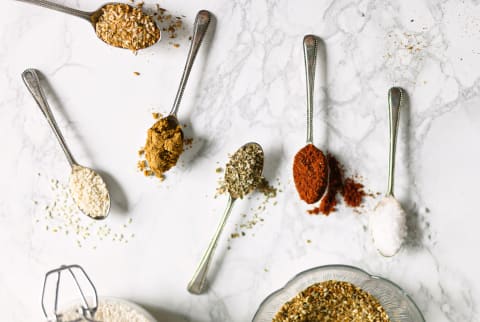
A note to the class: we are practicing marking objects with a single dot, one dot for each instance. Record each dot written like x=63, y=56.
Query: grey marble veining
x=247, y=84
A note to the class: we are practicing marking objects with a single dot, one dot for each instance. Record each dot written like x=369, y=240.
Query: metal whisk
x=87, y=310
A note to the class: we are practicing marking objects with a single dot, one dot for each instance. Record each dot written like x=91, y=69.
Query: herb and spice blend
x=243, y=172
x=89, y=192
x=332, y=301
x=124, y=26
x=163, y=147
x=310, y=173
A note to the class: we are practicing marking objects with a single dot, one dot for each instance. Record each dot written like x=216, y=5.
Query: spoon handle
x=31, y=80
x=199, y=29
x=58, y=7
x=310, y=55
x=395, y=95
x=197, y=284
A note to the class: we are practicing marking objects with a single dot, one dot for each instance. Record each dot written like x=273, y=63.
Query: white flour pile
x=388, y=226
x=110, y=311
x=89, y=192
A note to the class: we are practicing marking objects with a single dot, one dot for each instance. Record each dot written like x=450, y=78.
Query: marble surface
x=247, y=85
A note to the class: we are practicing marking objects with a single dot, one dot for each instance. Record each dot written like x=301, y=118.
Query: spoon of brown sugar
x=113, y=23
x=310, y=166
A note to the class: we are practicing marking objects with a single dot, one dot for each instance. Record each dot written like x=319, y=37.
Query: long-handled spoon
x=199, y=30
x=197, y=284
x=388, y=221
x=310, y=159
x=31, y=80
x=91, y=17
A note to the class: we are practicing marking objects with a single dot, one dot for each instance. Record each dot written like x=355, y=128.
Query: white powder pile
x=111, y=311
x=89, y=192
x=388, y=226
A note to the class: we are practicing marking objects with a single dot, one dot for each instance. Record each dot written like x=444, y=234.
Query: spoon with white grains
x=123, y=34
x=388, y=220
x=87, y=187
x=243, y=173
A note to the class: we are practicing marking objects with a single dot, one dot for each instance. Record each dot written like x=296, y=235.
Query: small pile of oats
x=128, y=27
x=89, y=192
x=332, y=301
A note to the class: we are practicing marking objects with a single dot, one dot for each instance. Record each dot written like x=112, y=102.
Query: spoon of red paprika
x=310, y=165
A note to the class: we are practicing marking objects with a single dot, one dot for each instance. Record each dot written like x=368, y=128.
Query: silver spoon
x=197, y=284
x=200, y=27
x=31, y=80
x=388, y=217
x=91, y=17
x=310, y=44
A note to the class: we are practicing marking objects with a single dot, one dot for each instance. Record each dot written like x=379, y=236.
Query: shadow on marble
x=58, y=109
x=163, y=315
x=322, y=102
x=273, y=159
x=198, y=146
x=118, y=197
x=415, y=233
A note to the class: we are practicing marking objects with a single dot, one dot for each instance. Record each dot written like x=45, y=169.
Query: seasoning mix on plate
x=332, y=301
x=128, y=27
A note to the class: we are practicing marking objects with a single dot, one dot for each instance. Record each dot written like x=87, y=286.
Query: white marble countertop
x=247, y=84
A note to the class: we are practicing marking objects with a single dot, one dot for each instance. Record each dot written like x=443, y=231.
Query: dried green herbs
x=244, y=170
x=332, y=301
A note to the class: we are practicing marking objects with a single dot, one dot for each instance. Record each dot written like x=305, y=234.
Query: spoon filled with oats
x=87, y=187
x=117, y=24
x=243, y=174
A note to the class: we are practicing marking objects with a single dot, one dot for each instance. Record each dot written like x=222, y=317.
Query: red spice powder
x=351, y=190
x=335, y=185
x=353, y=193
x=310, y=173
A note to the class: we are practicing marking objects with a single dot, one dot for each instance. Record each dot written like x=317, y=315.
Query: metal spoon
x=396, y=220
x=197, y=284
x=200, y=27
x=91, y=17
x=310, y=44
x=31, y=80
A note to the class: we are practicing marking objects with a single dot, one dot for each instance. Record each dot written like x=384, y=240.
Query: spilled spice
x=352, y=191
x=61, y=216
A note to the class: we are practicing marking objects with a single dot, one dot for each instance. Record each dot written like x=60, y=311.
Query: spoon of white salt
x=87, y=187
x=388, y=220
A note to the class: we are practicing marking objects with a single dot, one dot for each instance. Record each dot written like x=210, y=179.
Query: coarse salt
x=388, y=226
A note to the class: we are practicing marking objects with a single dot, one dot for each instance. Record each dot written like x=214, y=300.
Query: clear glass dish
x=398, y=305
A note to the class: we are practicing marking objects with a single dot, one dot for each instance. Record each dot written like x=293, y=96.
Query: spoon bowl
x=92, y=17
x=311, y=188
x=32, y=82
x=198, y=281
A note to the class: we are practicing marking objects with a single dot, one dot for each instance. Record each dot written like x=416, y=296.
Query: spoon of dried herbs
x=243, y=173
x=310, y=165
x=164, y=143
x=87, y=187
x=117, y=24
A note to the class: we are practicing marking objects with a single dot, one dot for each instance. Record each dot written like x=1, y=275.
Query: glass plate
x=398, y=305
